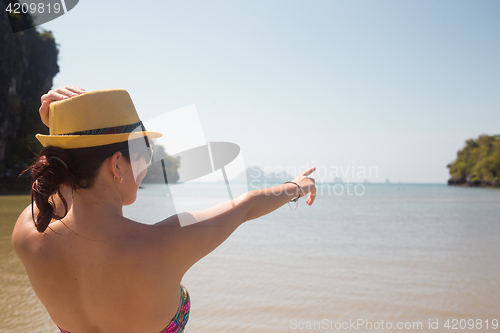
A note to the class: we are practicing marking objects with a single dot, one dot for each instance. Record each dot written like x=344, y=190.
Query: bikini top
x=180, y=319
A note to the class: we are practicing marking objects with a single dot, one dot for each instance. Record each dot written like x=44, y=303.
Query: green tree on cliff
x=478, y=162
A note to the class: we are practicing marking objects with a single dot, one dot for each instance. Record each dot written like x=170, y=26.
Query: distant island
x=478, y=163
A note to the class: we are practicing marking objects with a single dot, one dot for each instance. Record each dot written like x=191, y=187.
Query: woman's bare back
x=100, y=283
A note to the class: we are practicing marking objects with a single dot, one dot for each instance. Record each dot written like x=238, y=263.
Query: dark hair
x=78, y=170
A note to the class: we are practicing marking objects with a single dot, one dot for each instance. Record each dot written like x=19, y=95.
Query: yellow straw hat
x=95, y=118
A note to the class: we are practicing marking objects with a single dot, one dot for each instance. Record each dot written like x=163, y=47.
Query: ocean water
x=408, y=256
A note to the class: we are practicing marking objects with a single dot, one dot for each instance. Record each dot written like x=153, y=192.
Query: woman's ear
x=116, y=165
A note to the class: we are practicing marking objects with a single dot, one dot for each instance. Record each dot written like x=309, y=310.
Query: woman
x=93, y=269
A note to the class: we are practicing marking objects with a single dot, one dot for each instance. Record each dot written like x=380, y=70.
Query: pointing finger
x=308, y=171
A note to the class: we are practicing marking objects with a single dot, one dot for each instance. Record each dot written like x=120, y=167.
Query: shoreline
x=477, y=183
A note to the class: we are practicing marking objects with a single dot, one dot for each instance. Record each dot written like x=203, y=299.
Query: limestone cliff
x=28, y=63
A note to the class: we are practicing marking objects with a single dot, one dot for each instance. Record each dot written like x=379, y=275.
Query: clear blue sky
x=399, y=85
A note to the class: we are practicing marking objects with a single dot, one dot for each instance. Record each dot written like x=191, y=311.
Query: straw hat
x=95, y=118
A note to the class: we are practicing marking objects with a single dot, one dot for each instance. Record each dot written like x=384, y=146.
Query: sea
x=371, y=258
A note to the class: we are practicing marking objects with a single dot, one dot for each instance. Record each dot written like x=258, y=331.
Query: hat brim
x=85, y=141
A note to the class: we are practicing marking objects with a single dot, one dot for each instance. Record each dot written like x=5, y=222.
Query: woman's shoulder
x=27, y=241
x=23, y=232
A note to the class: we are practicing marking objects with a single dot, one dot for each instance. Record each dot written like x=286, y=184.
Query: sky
x=394, y=87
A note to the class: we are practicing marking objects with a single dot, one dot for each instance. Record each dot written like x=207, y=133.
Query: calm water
x=398, y=253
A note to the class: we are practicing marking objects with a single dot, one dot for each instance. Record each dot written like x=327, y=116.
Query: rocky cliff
x=28, y=63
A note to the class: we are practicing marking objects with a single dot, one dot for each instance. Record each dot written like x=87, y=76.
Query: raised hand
x=57, y=95
x=307, y=185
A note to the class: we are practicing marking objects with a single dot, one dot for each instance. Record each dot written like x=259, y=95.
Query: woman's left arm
x=57, y=95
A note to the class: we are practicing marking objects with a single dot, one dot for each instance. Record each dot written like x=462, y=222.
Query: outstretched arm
x=197, y=240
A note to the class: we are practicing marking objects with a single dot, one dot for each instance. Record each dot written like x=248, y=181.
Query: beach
x=402, y=254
